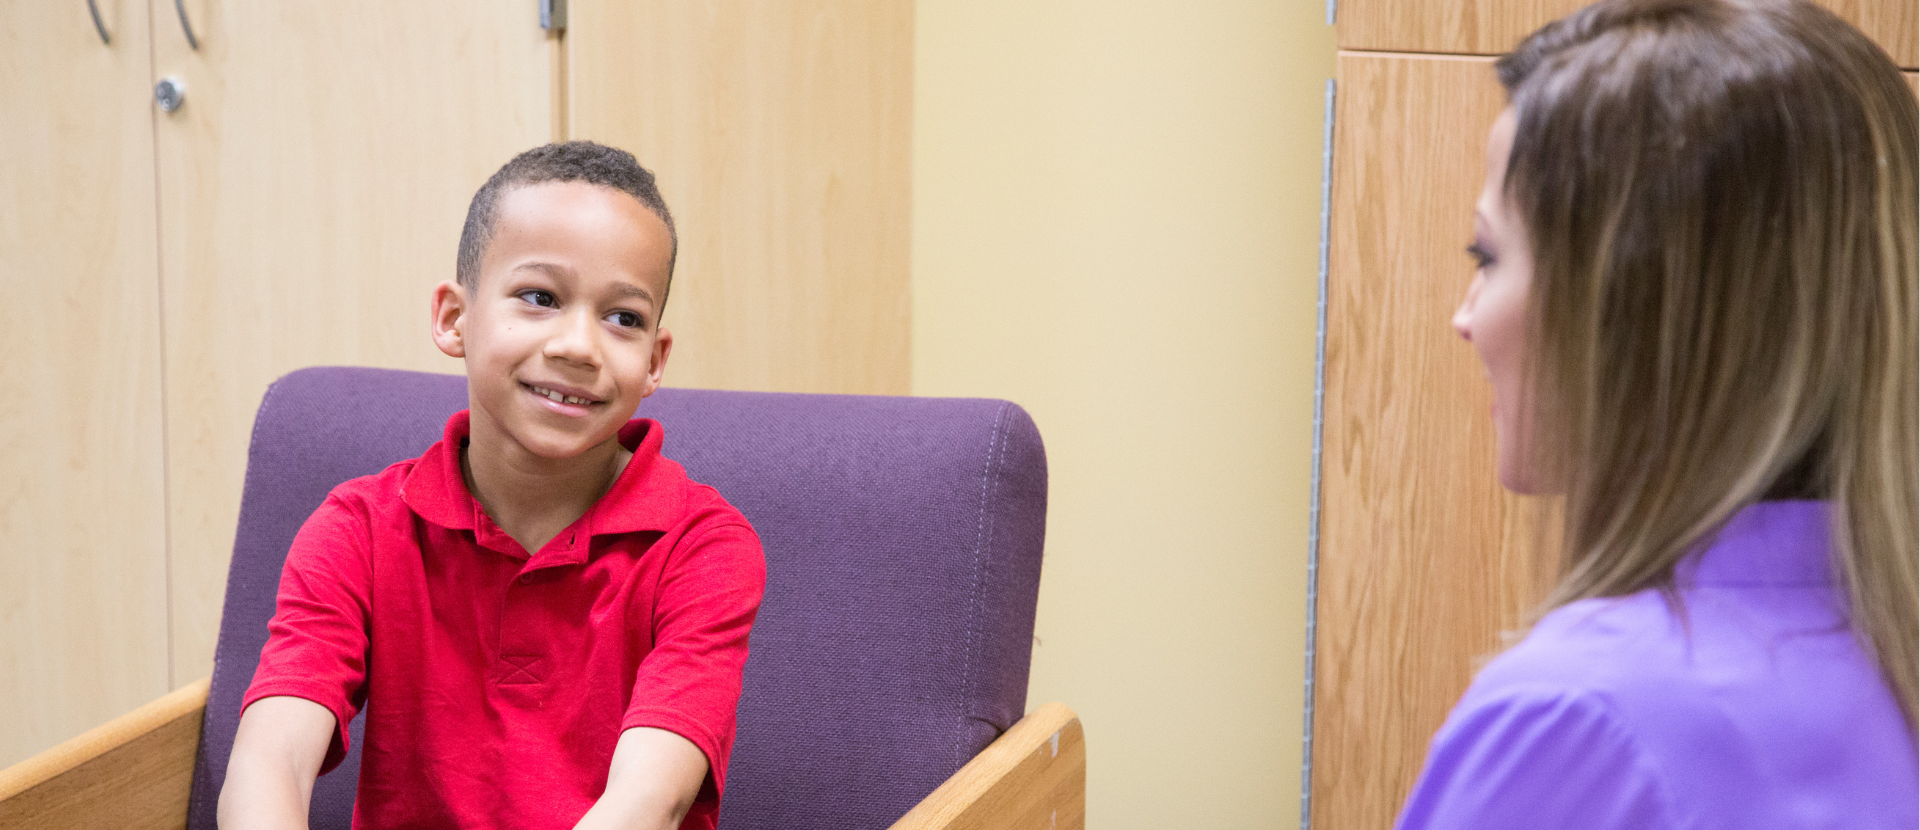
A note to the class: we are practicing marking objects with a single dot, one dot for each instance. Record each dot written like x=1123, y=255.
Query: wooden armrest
x=1035, y=776
x=133, y=772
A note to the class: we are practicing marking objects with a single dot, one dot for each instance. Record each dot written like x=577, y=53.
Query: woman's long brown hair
x=1721, y=197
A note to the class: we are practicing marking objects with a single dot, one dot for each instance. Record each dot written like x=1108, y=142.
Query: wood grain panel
x=82, y=518
x=780, y=133
x=1034, y=777
x=132, y=773
x=1491, y=27
x=1424, y=559
x=313, y=188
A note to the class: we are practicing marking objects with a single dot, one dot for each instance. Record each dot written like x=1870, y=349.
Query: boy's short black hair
x=568, y=161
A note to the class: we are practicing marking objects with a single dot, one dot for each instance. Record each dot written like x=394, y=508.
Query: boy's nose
x=574, y=340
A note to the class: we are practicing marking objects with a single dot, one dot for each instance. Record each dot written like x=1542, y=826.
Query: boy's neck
x=532, y=498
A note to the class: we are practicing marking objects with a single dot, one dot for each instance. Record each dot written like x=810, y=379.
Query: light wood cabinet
x=1424, y=561
x=83, y=602
x=298, y=207
x=312, y=189
x=1491, y=27
x=780, y=132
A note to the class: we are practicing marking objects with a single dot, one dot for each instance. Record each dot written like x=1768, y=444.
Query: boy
x=544, y=617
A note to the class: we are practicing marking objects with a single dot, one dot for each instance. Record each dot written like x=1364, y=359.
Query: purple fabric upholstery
x=903, y=540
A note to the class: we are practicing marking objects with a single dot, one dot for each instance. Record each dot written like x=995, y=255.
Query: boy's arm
x=277, y=753
x=651, y=784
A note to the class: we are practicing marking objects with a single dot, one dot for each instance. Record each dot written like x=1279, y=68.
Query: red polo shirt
x=496, y=683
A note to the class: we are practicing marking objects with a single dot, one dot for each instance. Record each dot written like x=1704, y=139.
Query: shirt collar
x=643, y=498
x=1768, y=543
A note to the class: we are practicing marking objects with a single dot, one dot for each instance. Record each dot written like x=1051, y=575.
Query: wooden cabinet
x=299, y=205
x=312, y=189
x=1424, y=561
x=83, y=559
x=1423, y=558
x=1491, y=27
x=780, y=132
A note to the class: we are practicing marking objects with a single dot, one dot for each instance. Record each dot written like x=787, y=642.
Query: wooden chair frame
x=136, y=772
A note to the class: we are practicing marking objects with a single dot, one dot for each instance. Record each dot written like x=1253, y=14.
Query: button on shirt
x=496, y=682
x=1758, y=711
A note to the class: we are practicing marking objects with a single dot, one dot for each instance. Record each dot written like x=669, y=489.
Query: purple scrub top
x=1755, y=709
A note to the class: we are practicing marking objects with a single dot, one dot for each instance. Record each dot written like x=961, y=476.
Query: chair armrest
x=1034, y=776
x=132, y=772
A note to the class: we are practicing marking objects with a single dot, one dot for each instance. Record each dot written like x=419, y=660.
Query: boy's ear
x=450, y=318
x=662, y=348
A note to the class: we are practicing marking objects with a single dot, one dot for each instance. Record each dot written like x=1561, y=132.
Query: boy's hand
x=653, y=781
x=277, y=753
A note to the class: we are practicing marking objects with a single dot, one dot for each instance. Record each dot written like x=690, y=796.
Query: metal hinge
x=553, y=15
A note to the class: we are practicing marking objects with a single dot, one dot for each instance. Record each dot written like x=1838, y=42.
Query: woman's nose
x=1463, y=316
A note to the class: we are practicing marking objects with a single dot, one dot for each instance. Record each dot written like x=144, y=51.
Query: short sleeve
x=689, y=683
x=1530, y=758
x=317, y=640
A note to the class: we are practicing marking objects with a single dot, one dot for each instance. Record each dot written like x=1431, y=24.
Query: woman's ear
x=449, y=318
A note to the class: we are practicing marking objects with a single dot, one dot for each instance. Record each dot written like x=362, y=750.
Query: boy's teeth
x=556, y=396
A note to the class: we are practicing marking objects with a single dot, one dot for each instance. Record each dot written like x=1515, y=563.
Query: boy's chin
x=548, y=445
x=569, y=450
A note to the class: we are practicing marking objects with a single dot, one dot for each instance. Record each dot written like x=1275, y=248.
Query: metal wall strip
x=1319, y=412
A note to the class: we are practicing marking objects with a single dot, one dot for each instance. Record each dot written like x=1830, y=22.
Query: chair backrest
x=902, y=536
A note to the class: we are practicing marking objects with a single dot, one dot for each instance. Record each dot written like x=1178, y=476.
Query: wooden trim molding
x=1033, y=778
x=136, y=773
x=133, y=772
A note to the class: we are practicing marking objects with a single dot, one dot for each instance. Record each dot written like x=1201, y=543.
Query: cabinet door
x=1490, y=27
x=780, y=133
x=1424, y=559
x=83, y=603
x=312, y=189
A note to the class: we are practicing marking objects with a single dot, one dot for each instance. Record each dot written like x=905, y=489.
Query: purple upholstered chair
x=903, y=540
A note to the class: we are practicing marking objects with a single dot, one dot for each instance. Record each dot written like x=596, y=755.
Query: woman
x=1696, y=305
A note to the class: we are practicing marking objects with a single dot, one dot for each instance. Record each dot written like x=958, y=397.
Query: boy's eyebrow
x=626, y=289
x=547, y=268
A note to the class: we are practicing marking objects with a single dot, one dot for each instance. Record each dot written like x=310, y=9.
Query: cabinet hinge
x=553, y=15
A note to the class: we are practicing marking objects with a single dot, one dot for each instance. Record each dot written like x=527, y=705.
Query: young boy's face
x=561, y=332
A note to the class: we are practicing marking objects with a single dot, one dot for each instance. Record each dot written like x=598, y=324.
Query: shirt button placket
x=522, y=660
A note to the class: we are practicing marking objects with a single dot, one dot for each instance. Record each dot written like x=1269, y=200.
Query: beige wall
x=1116, y=221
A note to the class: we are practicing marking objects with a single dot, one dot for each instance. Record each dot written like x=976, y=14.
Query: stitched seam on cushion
x=219, y=639
x=253, y=438
x=989, y=484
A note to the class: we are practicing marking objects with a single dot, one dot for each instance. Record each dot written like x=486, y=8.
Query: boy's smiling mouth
x=559, y=397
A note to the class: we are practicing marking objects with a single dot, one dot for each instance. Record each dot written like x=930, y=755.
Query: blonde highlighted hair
x=1721, y=198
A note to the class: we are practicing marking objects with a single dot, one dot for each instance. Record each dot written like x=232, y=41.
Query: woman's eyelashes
x=1481, y=256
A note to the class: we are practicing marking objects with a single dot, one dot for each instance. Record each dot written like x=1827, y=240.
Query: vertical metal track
x=1319, y=414
x=1331, y=4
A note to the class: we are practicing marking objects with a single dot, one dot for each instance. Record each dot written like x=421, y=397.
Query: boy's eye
x=543, y=299
x=625, y=319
